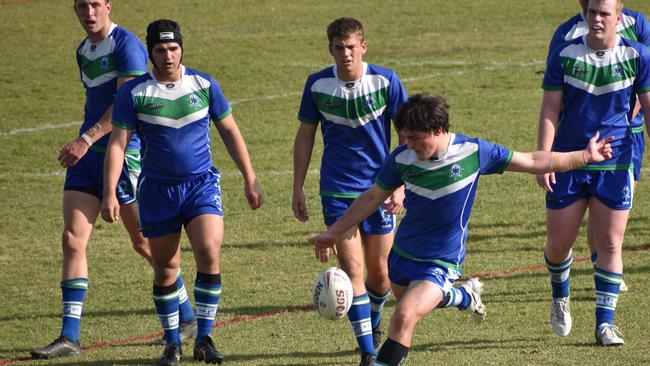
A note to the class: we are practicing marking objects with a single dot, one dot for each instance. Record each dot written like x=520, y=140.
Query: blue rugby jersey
x=633, y=26
x=439, y=195
x=355, y=125
x=120, y=54
x=598, y=87
x=173, y=122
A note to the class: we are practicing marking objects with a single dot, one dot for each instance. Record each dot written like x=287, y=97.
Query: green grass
x=485, y=57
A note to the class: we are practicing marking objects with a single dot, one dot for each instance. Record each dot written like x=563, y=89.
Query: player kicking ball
x=440, y=171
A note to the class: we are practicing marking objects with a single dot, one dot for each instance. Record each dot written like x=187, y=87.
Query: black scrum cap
x=163, y=30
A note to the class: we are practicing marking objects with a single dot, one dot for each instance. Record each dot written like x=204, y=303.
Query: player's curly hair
x=344, y=28
x=423, y=113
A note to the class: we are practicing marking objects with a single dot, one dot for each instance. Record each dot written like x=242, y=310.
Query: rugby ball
x=332, y=293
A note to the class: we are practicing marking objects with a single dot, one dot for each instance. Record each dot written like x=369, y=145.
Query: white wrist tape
x=87, y=139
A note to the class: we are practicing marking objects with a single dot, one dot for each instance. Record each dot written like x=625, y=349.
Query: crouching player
x=440, y=171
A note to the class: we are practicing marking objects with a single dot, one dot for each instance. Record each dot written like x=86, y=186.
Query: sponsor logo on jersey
x=330, y=104
x=170, y=85
x=579, y=70
x=154, y=106
x=350, y=85
x=410, y=173
x=93, y=48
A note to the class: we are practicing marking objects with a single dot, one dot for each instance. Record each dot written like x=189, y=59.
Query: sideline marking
x=297, y=309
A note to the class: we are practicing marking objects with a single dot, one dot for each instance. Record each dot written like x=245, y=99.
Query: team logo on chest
x=617, y=71
x=194, y=101
x=103, y=63
x=456, y=171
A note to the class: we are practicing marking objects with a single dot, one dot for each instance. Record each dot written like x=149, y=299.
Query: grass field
x=486, y=57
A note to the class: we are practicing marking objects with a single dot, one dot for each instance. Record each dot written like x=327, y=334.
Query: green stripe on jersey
x=439, y=179
x=174, y=109
x=599, y=75
x=353, y=109
x=98, y=67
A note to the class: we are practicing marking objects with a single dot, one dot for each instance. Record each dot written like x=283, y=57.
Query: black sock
x=392, y=353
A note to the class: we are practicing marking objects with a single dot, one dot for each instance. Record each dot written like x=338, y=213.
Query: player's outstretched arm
x=302, y=150
x=361, y=208
x=549, y=161
x=113, y=163
x=234, y=141
x=548, y=117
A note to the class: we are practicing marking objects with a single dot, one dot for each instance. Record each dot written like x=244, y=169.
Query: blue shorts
x=401, y=271
x=88, y=176
x=166, y=206
x=614, y=188
x=638, y=146
x=378, y=223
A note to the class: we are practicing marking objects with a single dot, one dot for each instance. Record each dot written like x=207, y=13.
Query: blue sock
x=559, y=274
x=165, y=298
x=457, y=297
x=207, y=295
x=377, y=302
x=73, y=292
x=359, y=316
x=185, y=306
x=607, y=288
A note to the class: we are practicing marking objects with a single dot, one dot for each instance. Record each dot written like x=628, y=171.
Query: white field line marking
x=230, y=173
x=491, y=65
x=47, y=126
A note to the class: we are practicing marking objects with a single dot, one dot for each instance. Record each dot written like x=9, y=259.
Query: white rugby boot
x=609, y=335
x=561, y=316
x=474, y=287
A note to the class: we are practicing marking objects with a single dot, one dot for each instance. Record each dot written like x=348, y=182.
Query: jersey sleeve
x=131, y=57
x=124, y=109
x=642, y=80
x=308, y=112
x=554, y=74
x=493, y=158
x=556, y=40
x=396, y=95
x=642, y=29
x=219, y=107
x=389, y=178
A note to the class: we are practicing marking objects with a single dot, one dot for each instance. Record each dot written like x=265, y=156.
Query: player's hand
x=110, y=208
x=298, y=205
x=395, y=203
x=71, y=153
x=546, y=181
x=322, y=245
x=599, y=150
x=254, y=195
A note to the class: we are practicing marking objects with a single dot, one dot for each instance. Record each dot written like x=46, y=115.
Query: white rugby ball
x=332, y=293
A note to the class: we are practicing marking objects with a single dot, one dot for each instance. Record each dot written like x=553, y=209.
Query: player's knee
x=72, y=244
x=403, y=320
x=609, y=248
x=378, y=275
